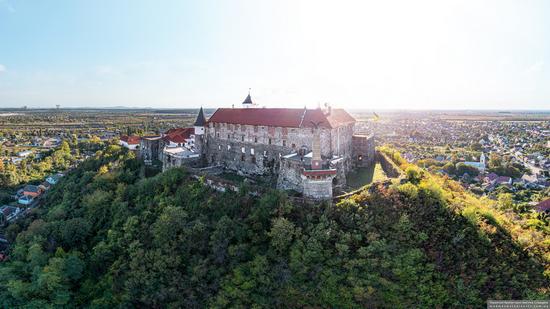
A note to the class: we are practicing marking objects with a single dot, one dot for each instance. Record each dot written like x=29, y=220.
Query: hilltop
x=109, y=236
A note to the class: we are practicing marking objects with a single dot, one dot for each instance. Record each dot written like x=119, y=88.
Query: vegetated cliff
x=108, y=237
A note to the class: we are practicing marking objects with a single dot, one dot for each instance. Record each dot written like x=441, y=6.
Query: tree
x=65, y=148
x=450, y=168
x=505, y=201
x=462, y=168
x=476, y=147
x=414, y=174
x=282, y=233
x=494, y=160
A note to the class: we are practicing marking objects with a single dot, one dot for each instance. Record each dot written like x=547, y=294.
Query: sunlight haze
x=353, y=54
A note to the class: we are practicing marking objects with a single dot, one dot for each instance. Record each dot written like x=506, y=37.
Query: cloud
x=2, y=68
x=536, y=67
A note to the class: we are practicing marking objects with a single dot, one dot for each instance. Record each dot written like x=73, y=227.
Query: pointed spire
x=248, y=99
x=201, y=120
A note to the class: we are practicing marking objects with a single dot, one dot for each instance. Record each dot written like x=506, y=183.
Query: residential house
x=45, y=186
x=543, y=206
x=24, y=154
x=53, y=179
x=32, y=190
x=8, y=213
x=130, y=142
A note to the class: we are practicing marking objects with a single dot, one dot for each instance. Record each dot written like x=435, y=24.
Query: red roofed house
x=178, y=148
x=130, y=142
x=179, y=137
x=543, y=206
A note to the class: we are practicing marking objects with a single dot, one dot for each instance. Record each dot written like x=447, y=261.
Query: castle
x=306, y=150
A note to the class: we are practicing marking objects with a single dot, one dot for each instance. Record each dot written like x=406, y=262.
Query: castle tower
x=316, y=162
x=199, y=126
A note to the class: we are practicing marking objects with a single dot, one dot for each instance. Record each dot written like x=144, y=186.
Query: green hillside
x=107, y=237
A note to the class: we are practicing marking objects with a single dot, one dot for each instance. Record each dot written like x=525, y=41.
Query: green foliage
x=505, y=201
x=462, y=169
x=414, y=174
x=108, y=237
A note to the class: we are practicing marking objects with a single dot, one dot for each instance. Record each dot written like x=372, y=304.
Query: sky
x=291, y=53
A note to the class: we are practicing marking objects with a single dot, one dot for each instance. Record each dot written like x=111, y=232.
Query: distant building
x=543, y=206
x=32, y=190
x=25, y=200
x=24, y=154
x=130, y=142
x=53, y=179
x=8, y=213
x=479, y=165
x=51, y=143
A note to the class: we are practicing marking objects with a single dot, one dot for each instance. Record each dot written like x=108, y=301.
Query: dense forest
x=108, y=236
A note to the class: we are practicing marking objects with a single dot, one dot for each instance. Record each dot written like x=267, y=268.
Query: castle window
x=228, y=147
x=253, y=159
x=218, y=134
x=242, y=138
x=252, y=151
x=293, y=145
x=243, y=150
x=255, y=139
x=219, y=147
x=228, y=136
x=269, y=141
x=242, y=157
x=284, y=143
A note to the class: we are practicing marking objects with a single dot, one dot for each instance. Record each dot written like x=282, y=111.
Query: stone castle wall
x=363, y=150
x=290, y=176
x=389, y=167
x=149, y=150
x=318, y=189
x=333, y=141
x=260, y=150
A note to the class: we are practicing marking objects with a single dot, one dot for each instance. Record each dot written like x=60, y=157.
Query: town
x=491, y=154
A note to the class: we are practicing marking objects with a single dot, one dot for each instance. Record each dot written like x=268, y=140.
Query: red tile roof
x=544, y=205
x=502, y=179
x=130, y=140
x=178, y=135
x=282, y=117
x=319, y=172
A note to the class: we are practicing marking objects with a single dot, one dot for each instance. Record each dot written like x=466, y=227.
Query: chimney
x=328, y=108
